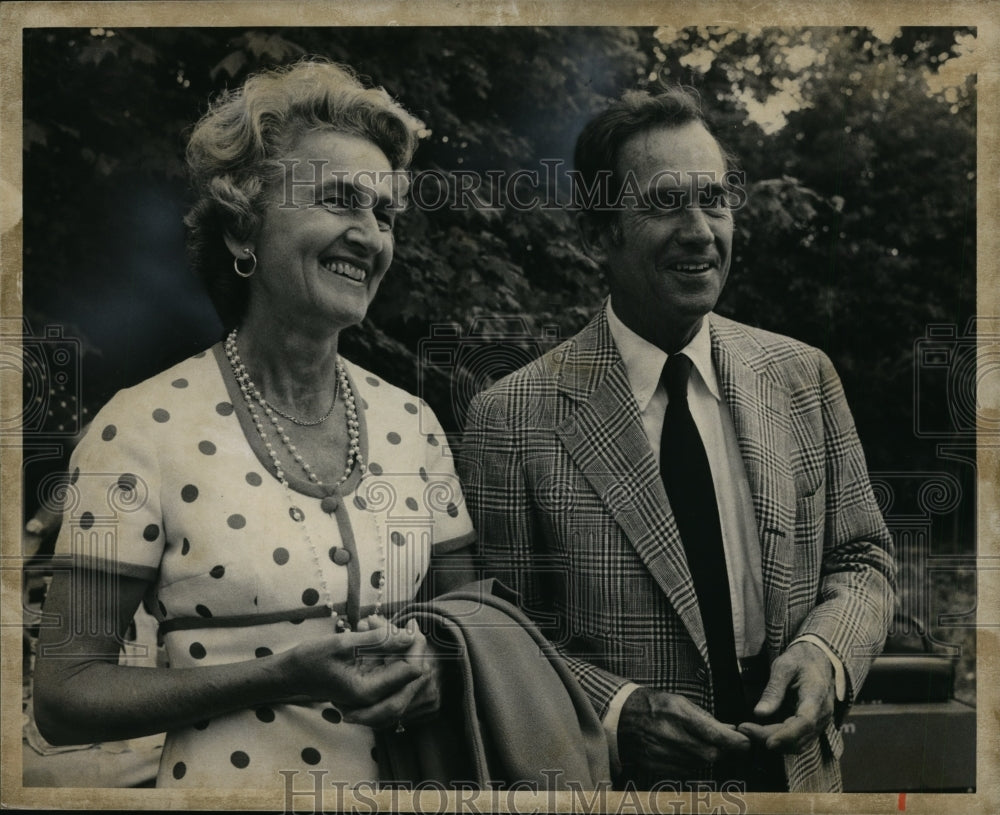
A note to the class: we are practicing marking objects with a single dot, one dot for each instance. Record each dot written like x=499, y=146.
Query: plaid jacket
x=571, y=512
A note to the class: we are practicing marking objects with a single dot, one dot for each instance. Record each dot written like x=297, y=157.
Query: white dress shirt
x=644, y=364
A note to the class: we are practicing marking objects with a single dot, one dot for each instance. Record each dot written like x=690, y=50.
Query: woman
x=267, y=500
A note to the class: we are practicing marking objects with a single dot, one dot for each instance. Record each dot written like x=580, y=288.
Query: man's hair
x=234, y=151
x=600, y=143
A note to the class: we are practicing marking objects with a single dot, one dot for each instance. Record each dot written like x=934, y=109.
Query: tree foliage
x=858, y=232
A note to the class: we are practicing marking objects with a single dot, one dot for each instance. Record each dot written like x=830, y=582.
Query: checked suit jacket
x=571, y=512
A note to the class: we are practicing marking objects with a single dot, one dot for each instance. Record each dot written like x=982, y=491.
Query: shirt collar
x=644, y=361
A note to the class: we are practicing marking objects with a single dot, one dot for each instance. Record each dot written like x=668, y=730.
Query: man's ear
x=592, y=236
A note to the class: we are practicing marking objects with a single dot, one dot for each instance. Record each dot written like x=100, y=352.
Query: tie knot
x=676, y=373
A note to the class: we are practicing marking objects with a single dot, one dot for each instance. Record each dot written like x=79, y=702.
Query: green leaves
x=859, y=147
x=255, y=48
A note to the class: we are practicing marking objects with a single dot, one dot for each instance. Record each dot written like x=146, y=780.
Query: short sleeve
x=453, y=528
x=112, y=518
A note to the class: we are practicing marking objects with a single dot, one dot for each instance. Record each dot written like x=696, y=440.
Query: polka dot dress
x=172, y=484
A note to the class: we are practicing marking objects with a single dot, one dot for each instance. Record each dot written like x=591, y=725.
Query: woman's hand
x=340, y=668
x=417, y=700
x=83, y=695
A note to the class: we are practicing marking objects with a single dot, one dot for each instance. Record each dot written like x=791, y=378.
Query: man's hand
x=669, y=735
x=802, y=680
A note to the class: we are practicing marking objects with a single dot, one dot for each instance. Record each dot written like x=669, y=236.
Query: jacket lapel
x=604, y=436
x=761, y=414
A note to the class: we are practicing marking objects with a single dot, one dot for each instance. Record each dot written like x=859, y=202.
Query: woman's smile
x=345, y=269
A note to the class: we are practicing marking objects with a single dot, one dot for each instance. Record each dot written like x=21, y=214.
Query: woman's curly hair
x=234, y=148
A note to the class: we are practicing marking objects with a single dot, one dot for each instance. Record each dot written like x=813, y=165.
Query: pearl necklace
x=251, y=393
x=252, y=396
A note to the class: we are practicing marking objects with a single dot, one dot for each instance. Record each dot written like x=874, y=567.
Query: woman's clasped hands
x=379, y=675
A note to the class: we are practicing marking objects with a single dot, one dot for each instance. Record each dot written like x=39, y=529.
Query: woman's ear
x=236, y=247
x=592, y=237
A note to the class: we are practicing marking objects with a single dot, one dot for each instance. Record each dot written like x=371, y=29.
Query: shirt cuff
x=839, y=676
x=610, y=721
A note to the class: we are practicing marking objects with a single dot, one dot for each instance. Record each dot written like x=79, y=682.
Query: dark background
x=858, y=235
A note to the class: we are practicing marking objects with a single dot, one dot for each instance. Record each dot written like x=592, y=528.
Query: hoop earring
x=253, y=268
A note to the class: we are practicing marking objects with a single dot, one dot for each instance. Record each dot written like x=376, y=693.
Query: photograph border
x=16, y=16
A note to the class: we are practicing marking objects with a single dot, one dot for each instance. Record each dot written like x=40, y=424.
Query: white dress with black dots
x=172, y=484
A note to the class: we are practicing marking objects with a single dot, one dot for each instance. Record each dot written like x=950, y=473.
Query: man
x=682, y=500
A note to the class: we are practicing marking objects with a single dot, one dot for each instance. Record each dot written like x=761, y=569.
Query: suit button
x=701, y=674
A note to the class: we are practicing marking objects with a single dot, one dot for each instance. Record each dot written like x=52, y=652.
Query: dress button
x=330, y=504
x=341, y=557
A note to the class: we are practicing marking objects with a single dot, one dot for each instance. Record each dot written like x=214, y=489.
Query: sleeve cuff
x=839, y=676
x=610, y=722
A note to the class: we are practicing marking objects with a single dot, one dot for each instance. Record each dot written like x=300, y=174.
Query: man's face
x=669, y=260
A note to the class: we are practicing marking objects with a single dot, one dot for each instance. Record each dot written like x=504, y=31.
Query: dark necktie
x=688, y=481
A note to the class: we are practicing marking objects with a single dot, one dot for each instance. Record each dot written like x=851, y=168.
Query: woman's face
x=325, y=240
